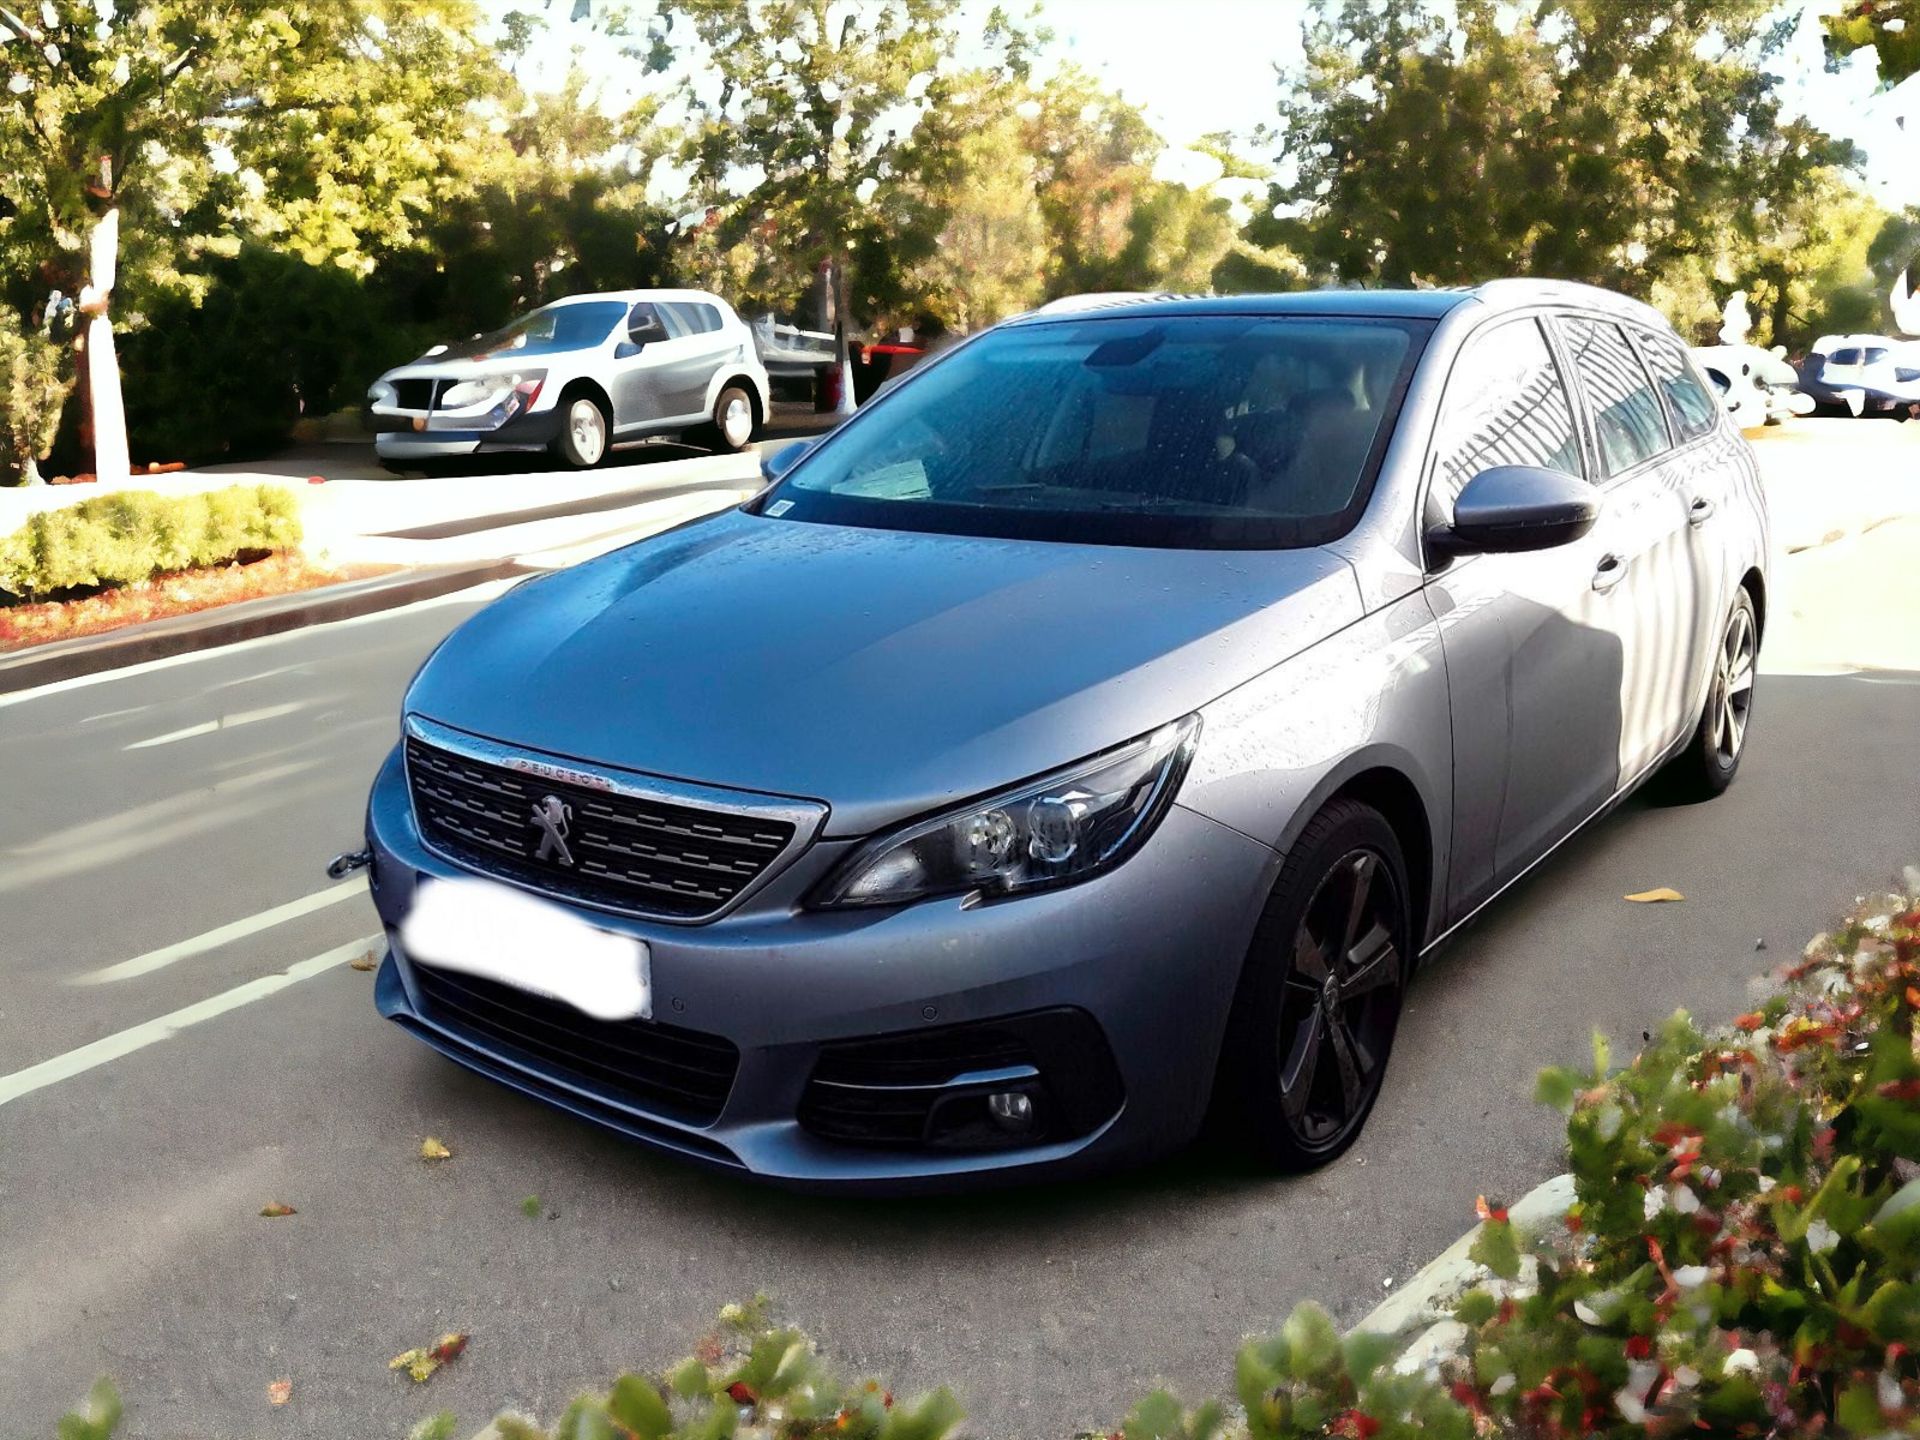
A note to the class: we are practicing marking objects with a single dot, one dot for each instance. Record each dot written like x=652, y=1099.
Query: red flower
x=741, y=1393
x=1355, y=1425
x=1907, y=1090
x=1639, y=1347
x=1750, y=1022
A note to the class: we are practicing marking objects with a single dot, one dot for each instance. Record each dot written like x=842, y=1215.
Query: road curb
x=244, y=620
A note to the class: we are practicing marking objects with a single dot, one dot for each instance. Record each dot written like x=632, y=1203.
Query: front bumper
x=1151, y=952
x=396, y=438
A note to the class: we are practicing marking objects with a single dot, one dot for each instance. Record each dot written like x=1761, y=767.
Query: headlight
x=476, y=392
x=1060, y=829
x=381, y=393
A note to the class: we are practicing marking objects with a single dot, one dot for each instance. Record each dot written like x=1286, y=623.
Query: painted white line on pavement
x=225, y=722
x=112, y=1047
x=473, y=594
x=199, y=944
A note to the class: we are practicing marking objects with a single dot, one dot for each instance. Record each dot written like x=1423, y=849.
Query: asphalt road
x=147, y=807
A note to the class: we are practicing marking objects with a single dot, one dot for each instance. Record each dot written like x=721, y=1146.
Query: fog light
x=1012, y=1111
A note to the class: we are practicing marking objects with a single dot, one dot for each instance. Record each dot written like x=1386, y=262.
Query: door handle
x=1611, y=572
x=1698, y=512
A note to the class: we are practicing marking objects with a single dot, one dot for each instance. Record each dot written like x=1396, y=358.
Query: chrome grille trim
x=700, y=867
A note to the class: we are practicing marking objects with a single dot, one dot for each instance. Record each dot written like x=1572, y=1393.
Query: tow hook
x=343, y=865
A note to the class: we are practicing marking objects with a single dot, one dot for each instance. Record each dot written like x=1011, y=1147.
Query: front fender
x=1370, y=699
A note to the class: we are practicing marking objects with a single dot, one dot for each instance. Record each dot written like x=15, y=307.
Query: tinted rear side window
x=1505, y=405
x=1626, y=414
x=1691, y=409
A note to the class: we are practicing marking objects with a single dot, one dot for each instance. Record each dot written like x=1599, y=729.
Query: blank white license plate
x=481, y=927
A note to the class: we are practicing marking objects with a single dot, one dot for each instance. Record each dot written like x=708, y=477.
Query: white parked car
x=1867, y=374
x=1756, y=386
x=577, y=377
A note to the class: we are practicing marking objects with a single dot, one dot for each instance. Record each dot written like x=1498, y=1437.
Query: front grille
x=629, y=853
x=911, y=1089
x=413, y=394
x=681, y=1074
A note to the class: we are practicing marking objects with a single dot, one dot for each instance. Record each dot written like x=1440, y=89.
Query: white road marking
x=112, y=1047
x=472, y=595
x=224, y=934
x=225, y=722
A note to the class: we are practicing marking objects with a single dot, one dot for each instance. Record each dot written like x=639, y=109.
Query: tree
x=331, y=126
x=808, y=100
x=1890, y=27
x=1585, y=139
x=35, y=376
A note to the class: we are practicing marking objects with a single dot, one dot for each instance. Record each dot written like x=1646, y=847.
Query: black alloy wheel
x=1320, y=997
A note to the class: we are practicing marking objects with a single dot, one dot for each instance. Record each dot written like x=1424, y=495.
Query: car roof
x=1425, y=304
x=630, y=296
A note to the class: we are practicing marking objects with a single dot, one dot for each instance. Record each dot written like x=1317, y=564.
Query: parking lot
x=164, y=841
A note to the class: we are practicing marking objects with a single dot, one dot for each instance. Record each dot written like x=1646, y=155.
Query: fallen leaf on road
x=419, y=1364
x=432, y=1149
x=530, y=1207
x=364, y=962
x=279, y=1392
x=275, y=1210
x=1654, y=897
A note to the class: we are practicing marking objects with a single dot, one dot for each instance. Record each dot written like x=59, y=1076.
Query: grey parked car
x=1086, y=739
x=575, y=378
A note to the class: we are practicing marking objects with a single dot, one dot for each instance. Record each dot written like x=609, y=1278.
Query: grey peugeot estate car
x=1084, y=741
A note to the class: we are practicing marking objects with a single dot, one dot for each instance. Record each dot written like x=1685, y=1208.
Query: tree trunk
x=842, y=354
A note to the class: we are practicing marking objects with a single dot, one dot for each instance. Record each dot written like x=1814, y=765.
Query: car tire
x=582, y=441
x=1712, y=757
x=1307, y=1043
x=733, y=424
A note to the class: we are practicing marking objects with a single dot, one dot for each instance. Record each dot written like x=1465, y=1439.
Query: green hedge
x=1740, y=1260
x=127, y=536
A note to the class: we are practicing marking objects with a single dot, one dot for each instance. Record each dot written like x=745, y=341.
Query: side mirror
x=646, y=332
x=1514, y=508
x=625, y=350
x=773, y=466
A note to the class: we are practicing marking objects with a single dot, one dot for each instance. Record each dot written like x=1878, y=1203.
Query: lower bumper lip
x=781, y=983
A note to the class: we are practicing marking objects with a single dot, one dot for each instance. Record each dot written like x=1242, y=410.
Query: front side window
x=1505, y=405
x=1227, y=431
x=1626, y=413
x=1691, y=409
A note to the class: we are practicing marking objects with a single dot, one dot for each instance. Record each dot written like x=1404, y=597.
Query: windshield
x=553, y=328
x=1182, y=432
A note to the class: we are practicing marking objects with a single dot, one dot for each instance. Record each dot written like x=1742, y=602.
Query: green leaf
x=1859, y=1409
x=1156, y=1417
x=931, y=1417
x=1475, y=1308
x=530, y=1207
x=689, y=1379
x=1496, y=1248
x=517, y=1427
x=1556, y=1088
x=1602, y=1055
x=585, y=1419
x=435, y=1427
x=1312, y=1344
x=1365, y=1351
x=639, y=1407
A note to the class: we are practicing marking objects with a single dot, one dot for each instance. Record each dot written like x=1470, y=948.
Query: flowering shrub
x=1740, y=1260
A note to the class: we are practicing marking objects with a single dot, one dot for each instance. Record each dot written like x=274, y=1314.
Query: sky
x=1199, y=66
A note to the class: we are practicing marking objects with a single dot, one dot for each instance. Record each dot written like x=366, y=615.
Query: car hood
x=883, y=672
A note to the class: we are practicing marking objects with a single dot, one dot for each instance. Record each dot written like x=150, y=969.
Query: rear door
x=1710, y=479
x=1646, y=583
x=702, y=347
